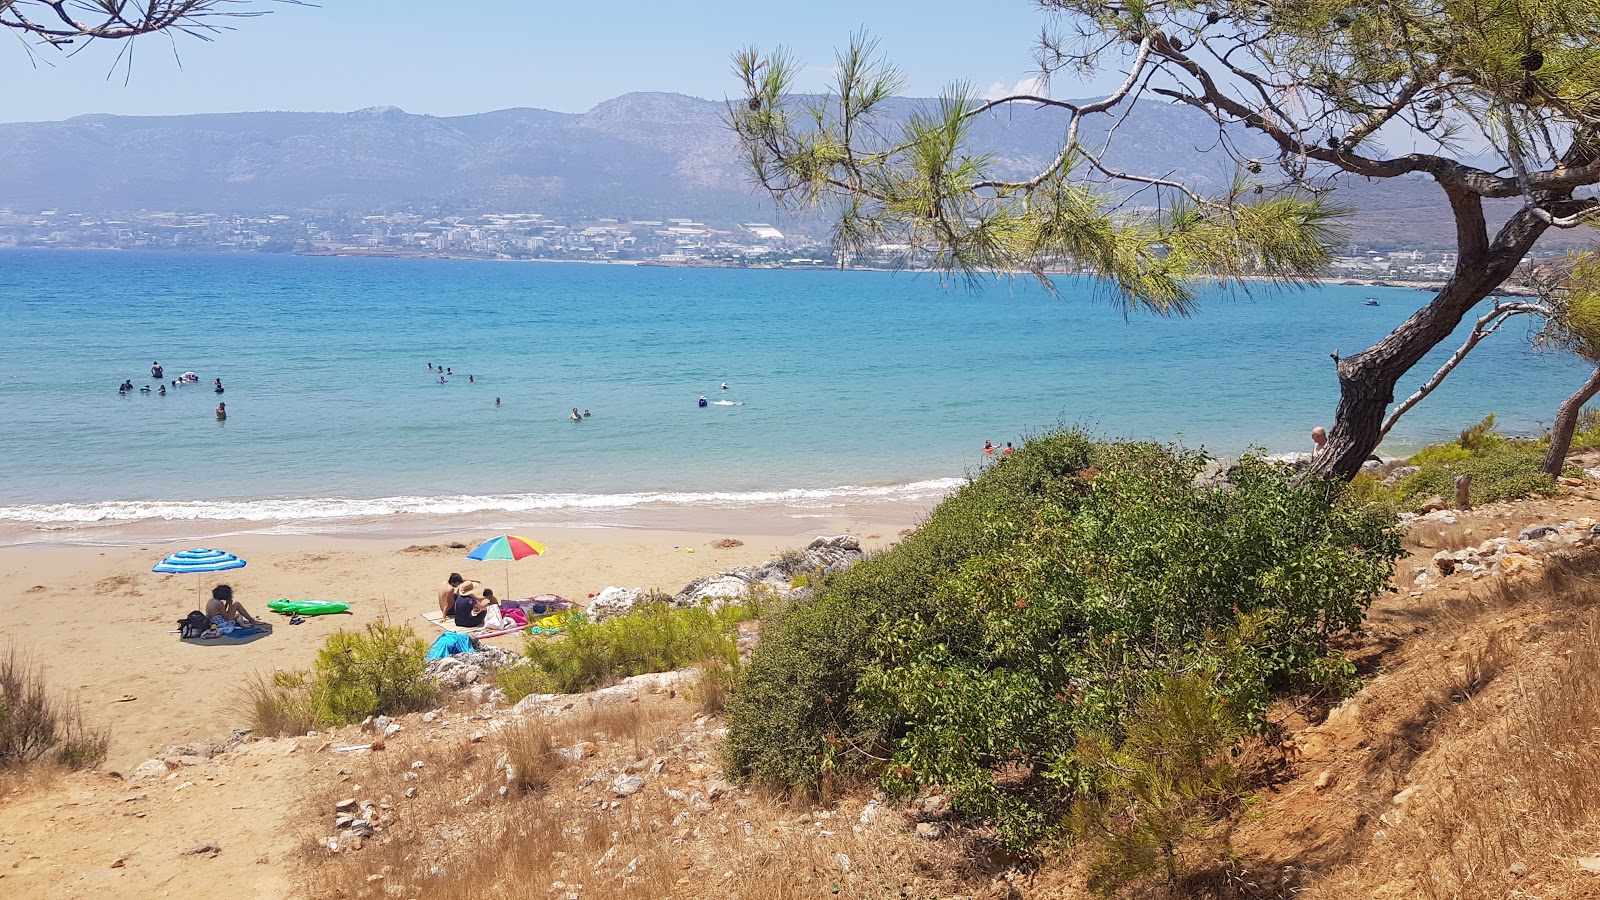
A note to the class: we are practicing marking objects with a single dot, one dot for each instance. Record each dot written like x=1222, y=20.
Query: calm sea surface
x=853, y=385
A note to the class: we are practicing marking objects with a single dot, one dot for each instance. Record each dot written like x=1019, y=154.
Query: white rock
x=627, y=785
x=614, y=601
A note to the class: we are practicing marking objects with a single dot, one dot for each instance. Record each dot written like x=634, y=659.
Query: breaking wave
x=302, y=509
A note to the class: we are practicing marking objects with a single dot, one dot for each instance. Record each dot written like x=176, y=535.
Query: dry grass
x=276, y=705
x=460, y=838
x=714, y=687
x=1505, y=791
x=39, y=727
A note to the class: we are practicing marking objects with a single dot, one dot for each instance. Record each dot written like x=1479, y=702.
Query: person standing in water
x=222, y=412
x=155, y=371
x=576, y=417
x=497, y=403
x=216, y=386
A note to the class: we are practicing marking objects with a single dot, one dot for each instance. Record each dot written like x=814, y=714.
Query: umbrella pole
x=508, y=581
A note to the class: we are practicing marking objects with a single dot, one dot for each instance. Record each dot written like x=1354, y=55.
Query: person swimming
x=216, y=386
x=145, y=389
x=988, y=448
x=724, y=385
x=472, y=379
x=162, y=390
x=448, y=371
x=586, y=414
x=704, y=401
x=441, y=379
x=1008, y=451
x=497, y=403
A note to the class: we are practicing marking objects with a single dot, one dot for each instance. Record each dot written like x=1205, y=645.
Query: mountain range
x=641, y=155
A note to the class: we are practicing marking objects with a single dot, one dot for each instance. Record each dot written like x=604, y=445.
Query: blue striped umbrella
x=199, y=561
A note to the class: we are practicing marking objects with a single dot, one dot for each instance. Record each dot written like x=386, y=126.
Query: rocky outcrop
x=458, y=672
x=823, y=554
x=614, y=601
x=1503, y=555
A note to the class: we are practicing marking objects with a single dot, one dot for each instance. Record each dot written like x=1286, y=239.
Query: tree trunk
x=1367, y=379
x=1567, y=422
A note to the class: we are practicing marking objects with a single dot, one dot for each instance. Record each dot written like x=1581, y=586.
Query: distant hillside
x=639, y=155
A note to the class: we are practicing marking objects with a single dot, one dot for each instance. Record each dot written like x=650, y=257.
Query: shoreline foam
x=117, y=522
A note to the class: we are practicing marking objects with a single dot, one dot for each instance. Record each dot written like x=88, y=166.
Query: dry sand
x=100, y=621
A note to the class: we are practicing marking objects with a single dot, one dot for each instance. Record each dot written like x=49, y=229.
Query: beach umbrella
x=508, y=547
x=200, y=561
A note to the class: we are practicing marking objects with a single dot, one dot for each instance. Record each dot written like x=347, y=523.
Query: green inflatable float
x=307, y=607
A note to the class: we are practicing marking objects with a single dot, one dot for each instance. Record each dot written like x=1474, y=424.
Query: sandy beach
x=100, y=621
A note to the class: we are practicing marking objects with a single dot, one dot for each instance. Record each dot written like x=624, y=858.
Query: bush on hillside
x=1509, y=470
x=1041, y=603
x=1587, y=435
x=37, y=725
x=657, y=637
x=380, y=671
x=1502, y=468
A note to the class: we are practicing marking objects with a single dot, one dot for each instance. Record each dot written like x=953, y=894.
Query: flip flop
x=295, y=620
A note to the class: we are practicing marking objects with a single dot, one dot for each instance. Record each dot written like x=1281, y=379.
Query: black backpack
x=194, y=625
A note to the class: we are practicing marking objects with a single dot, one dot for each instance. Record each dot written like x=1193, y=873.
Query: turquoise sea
x=855, y=386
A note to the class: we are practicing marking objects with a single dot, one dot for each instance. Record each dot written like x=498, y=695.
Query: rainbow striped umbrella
x=508, y=547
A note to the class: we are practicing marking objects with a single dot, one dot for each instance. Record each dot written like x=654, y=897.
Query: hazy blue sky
x=475, y=55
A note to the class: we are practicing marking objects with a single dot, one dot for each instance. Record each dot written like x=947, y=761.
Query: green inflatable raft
x=307, y=607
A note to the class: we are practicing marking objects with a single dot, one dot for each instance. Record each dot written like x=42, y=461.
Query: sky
x=472, y=56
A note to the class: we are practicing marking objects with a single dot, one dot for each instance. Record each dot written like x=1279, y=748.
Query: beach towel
x=449, y=644
x=445, y=623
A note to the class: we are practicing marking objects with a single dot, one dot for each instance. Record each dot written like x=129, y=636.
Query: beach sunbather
x=447, y=593
x=223, y=605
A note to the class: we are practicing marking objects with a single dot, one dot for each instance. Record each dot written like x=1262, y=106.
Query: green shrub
x=1481, y=436
x=1160, y=785
x=1043, y=602
x=381, y=671
x=1440, y=455
x=657, y=637
x=1587, y=435
x=37, y=725
x=1502, y=468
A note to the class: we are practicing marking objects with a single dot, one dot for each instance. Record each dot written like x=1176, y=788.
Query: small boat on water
x=1369, y=302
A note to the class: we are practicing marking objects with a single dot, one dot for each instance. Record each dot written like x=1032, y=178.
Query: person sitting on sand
x=223, y=606
x=447, y=593
x=470, y=609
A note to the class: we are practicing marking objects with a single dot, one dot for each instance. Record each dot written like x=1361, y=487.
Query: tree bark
x=1367, y=379
x=1567, y=422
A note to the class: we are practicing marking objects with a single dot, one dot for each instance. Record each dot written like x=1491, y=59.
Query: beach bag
x=193, y=625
